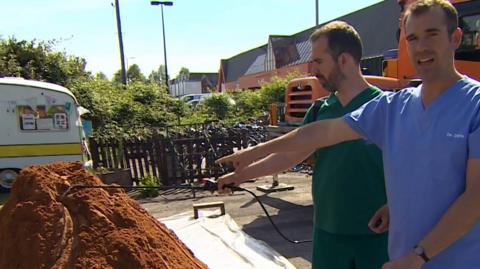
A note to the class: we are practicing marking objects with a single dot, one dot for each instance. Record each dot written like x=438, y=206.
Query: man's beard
x=332, y=82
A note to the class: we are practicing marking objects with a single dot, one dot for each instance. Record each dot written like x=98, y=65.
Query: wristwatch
x=420, y=251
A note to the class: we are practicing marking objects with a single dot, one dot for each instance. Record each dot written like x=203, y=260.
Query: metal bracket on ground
x=275, y=186
x=197, y=207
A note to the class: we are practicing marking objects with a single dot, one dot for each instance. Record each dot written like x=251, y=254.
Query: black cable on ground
x=236, y=188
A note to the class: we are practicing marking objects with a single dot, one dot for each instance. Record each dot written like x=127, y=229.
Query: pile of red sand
x=88, y=228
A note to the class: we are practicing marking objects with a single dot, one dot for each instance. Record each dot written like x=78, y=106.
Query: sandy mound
x=89, y=228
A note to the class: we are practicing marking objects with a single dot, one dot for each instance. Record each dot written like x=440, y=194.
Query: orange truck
x=398, y=73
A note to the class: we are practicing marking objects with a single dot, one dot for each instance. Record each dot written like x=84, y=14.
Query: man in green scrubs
x=348, y=183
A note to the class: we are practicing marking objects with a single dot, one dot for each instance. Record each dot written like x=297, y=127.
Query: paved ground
x=290, y=210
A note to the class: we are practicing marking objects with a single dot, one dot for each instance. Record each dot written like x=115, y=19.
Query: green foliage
x=157, y=76
x=38, y=61
x=218, y=106
x=126, y=111
x=100, y=76
x=150, y=181
x=117, y=76
x=96, y=96
x=102, y=170
x=274, y=91
x=197, y=115
x=134, y=74
x=135, y=109
x=183, y=71
x=246, y=104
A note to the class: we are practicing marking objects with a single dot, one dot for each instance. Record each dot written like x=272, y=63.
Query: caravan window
x=43, y=118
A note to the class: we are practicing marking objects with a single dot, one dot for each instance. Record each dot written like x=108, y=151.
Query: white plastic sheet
x=220, y=243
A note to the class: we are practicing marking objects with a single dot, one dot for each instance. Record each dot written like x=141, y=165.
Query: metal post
x=120, y=42
x=165, y=52
x=316, y=12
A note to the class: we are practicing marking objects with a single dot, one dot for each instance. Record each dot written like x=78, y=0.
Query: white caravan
x=39, y=123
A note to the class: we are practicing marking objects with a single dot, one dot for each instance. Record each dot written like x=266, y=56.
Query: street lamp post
x=163, y=3
x=120, y=42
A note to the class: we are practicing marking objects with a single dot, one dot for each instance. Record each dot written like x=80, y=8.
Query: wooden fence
x=173, y=160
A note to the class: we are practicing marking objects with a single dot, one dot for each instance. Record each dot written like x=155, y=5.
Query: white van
x=39, y=123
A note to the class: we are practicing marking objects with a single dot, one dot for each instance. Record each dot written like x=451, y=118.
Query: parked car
x=193, y=99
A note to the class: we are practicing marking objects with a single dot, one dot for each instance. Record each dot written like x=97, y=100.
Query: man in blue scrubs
x=430, y=139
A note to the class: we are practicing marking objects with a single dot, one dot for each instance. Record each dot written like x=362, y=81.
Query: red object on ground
x=88, y=228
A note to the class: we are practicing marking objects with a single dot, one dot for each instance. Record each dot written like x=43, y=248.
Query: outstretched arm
x=273, y=163
x=315, y=135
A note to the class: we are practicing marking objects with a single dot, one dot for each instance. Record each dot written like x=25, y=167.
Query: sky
x=199, y=33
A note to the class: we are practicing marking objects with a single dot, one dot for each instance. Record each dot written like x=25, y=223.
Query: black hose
x=236, y=188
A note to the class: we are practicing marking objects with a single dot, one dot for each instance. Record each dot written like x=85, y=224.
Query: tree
x=134, y=74
x=184, y=71
x=217, y=105
x=248, y=103
x=100, y=76
x=37, y=61
x=183, y=75
x=117, y=76
x=123, y=111
x=157, y=76
x=274, y=91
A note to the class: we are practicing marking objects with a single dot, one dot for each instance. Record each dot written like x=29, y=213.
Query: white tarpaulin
x=220, y=243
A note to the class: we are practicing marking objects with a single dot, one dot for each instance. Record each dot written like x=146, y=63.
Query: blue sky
x=198, y=32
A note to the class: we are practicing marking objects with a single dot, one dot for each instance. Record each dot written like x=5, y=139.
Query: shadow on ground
x=293, y=220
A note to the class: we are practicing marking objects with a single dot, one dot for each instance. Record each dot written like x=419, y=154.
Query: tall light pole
x=120, y=42
x=163, y=3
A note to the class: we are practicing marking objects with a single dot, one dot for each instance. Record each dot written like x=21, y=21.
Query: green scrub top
x=348, y=181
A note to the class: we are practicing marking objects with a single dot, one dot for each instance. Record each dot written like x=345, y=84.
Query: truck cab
x=398, y=73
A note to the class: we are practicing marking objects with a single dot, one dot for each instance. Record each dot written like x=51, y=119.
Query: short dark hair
x=422, y=6
x=342, y=38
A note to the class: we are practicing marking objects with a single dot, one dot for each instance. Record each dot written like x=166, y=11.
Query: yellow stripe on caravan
x=40, y=150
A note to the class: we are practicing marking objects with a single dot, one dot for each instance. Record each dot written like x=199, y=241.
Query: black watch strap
x=420, y=251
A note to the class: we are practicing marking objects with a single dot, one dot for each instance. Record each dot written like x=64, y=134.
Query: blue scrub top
x=425, y=153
